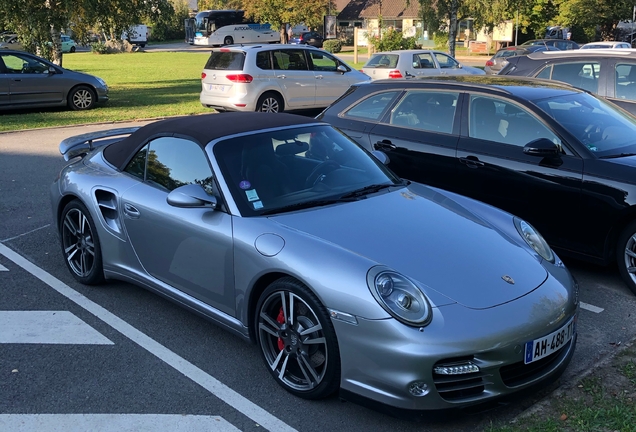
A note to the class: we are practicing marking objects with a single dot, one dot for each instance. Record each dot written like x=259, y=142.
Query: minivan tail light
x=203, y=75
x=395, y=74
x=490, y=63
x=240, y=78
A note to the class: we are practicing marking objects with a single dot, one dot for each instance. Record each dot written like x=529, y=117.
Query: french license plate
x=543, y=347
x=217, y=87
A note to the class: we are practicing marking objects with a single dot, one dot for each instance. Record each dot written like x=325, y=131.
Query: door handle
x=318, y=76
x=281, y=76
x=131, y=211
x=471, y=162
x=385, y=144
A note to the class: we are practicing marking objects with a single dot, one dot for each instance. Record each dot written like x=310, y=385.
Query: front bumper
x=381, y=359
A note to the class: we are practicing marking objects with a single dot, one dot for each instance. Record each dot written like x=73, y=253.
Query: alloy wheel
x=78, y=244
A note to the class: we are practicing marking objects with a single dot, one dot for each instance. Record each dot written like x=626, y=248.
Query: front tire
x=82, y=98
x=72, y=49
x=626, y=255
x=297, y=340
x=270, y=102
x=80, y=244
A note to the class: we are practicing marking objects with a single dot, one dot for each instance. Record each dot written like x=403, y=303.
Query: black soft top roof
x=201, y=129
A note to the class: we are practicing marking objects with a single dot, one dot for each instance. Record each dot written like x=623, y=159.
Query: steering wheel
x=590, y=133
x=321, y=170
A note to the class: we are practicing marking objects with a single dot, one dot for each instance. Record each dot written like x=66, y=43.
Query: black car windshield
x=298, y=167
x=603, y=128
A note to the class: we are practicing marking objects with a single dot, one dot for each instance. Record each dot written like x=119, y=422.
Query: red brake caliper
x=281, y=320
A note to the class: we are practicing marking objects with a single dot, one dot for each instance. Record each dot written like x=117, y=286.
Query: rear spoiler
x=79, y=145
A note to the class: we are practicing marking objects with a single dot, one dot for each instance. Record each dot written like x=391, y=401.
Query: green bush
x=392, y=40
x=99, y=48
x=441, y=40
x=332, y=45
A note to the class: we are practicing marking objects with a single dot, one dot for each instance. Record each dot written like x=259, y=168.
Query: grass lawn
x=141, y=85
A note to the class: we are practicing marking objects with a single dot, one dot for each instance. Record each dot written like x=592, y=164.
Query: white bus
x=226, y=27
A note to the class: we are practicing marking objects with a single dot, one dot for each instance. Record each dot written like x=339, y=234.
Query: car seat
x=264, y=171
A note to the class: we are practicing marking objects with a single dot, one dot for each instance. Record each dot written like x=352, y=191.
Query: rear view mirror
x=341, y=69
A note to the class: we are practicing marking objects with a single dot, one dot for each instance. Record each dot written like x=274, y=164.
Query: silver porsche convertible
x=285, y=232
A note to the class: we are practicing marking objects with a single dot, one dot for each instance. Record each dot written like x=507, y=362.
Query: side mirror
x=191, y=195
x=342, y=69
x=52, y=70
x=542, y=147
x=381, y=156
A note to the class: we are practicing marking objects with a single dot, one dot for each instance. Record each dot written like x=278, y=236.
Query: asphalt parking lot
x=134, y=357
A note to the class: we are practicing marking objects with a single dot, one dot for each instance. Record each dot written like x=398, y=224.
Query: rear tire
x=82, y=98
x=228, y=40
x=80, y=244
x=626, y=255
x=72, y=49
x=270, y=102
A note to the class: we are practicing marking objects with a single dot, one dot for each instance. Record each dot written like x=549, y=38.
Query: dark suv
x=607, y=73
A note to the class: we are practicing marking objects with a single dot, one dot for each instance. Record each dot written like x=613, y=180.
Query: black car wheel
x=81, y=98
x=270, y=102
x=80, y=244
x=626, y=255
x=228, y=40
x=297, y=340
x=72, y=49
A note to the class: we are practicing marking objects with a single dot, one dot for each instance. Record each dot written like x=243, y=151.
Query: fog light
x=418, y=388
x=457, y=369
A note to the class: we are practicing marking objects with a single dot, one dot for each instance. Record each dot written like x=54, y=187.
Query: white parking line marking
x=113, y=423
x=26, y=233
x=47, y=327
x=591, y=308
x=214, y=386
x=3, y=268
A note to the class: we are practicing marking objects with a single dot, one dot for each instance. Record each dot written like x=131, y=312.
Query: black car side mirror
x=52, y=70
x=542, y=147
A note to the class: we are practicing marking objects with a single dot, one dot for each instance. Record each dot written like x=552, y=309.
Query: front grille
x=457, y=387
x=520, y=373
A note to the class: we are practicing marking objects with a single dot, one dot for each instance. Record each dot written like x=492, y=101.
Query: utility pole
x=517, y=27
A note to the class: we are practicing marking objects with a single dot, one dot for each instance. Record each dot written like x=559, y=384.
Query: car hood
x=428, y=236
x=474, y=70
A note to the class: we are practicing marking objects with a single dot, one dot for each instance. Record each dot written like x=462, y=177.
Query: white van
x=136, y=35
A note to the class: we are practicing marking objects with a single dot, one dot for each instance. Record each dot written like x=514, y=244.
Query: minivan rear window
x=226, y=60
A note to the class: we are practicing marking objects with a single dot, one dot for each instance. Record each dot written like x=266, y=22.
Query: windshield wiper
x=369, y=189
x=617, y=156
x=306, y=204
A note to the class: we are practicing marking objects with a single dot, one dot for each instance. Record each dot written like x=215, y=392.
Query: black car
x=607, y=73
x=308, y=38
x=500, y=59
x=562, y=44
x=553, y=154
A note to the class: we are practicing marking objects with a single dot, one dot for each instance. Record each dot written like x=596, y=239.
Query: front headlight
x=534, y=239
x=401, y=298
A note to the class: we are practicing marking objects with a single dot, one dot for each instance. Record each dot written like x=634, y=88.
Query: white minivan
x=136, y=35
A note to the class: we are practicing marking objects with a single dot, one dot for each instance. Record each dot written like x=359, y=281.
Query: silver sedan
x=406, y=63
x=283, y=231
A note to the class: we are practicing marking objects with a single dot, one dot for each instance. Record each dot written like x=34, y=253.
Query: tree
x=590, y=13
x=38, y=23
x=281, y=12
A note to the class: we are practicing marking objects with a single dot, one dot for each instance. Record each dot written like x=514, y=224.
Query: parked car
x=274, y=78
x=401, y=64
x=68, y=44
x=606, y=45
x=562, y=44
x=607, y=73
x=307, y=38
x=10, y=41
x=553, y=154
x=500, y=59
x=28, y=81
x=283, y=231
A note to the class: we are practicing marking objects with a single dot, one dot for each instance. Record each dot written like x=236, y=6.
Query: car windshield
x=382, y=61
x=603, y=128
x=295, y=168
